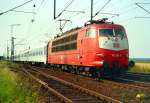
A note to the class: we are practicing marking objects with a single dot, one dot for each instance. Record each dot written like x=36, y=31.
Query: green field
x=141, y=67
x=16, y=89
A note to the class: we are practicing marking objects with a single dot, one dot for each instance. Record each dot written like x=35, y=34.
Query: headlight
x=101, y=54
x=116, y=55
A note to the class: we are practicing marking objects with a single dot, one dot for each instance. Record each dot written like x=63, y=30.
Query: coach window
x=91, y=32
x=45, y=50
x=40, y=52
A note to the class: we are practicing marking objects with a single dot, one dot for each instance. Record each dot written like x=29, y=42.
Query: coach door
x=81, y=47
x=48, y=53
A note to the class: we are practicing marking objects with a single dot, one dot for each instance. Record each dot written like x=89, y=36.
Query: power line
x=142, y=17
x=101, y=8
x=110, y=14
x=68, y=5
x=15, y=7
x=40, y=5
x=75, y=11
x=24, y=11
x=143, y=3
x=31, y=22
x=55, y=17
x=126, y=9
x=142, y=7
x=85, y=9
x=30, y=25
x=126, y=20
x=92, y=4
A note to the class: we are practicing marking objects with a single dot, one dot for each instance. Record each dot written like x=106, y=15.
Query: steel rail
x=87, y=91
x=57, y=94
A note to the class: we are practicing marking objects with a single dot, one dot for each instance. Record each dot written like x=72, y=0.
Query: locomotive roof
x=100, y=21
x=72, y=30
x=88, y=23
x=67, y=32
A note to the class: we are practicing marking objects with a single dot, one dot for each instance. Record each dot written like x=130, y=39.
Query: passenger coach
x=33, y=56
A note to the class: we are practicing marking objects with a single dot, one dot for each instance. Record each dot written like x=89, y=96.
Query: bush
x=141, y=68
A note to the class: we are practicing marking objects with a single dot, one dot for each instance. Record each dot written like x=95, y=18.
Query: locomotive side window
x=66, y=43
x=91, y=32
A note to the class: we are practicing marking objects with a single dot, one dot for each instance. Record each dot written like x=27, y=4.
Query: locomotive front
x=113, y=49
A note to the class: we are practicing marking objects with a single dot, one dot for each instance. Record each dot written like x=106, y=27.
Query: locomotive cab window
x=106, y=32
x=112, y=32
x=119, y=32
x=91, y=32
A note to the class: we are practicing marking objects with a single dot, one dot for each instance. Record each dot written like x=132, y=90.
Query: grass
x=141, y=68
x=8, y=64
x=16, y=89
x=7, y=85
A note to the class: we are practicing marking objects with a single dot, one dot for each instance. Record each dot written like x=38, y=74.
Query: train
x=98, y=47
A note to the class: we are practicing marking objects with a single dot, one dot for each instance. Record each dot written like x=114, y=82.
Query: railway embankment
x=20, y=88
x=15, y=88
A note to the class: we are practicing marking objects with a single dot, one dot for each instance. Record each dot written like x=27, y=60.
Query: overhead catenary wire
x=142, y=17
x=24, y=11
x=143, y=3
x=120, y=9
x=33, y=16
x=125, y=20
x=142, y=8
x=86, y=8
x=42, y=2
x=125, y=10
x=101, y=8
x=32, y=37
x=94, y=3
x=75, y=11
x=110, y=14
x=63, y=9
x=16, y=7
x=62, y=25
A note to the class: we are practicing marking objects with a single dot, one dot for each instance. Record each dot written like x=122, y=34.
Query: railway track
x=138, y=79
x=113, y=89
x=136, y=76
x=48, y=97
x=126, y=83
x=66, y=91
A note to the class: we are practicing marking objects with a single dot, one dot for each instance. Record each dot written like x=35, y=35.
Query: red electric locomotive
x=99, y=46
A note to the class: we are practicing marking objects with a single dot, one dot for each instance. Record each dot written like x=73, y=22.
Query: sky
x=44, y=27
